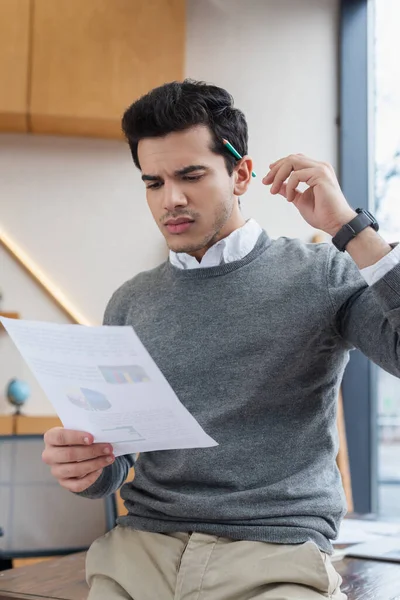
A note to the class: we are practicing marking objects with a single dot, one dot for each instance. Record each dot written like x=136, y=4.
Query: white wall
x=21, y=294
x=278, y=58
x=77, y=205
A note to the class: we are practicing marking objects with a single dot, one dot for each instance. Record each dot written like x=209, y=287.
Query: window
x=370, y=178
x=386, y=160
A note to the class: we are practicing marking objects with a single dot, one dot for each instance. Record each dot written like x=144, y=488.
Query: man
x=253, y=335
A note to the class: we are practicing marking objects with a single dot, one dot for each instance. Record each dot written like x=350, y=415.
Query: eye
x=192, y=177
x=154, y=186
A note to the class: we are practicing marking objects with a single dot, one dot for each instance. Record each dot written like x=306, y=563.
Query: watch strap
x=349, y=231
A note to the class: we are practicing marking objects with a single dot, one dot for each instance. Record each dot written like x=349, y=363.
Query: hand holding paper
x=102, y=380
x=75, y=461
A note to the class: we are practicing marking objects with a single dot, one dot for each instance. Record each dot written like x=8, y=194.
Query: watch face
x=374, y=222
x=349, y=231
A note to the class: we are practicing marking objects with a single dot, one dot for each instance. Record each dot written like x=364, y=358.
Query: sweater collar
x=232, y=248
x=263, y=242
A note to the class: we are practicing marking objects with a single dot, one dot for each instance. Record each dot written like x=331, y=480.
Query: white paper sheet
x=103, y=381
x=354, y=531
x=384, y=548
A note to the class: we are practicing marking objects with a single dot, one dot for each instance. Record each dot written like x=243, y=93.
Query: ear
x=242, y=175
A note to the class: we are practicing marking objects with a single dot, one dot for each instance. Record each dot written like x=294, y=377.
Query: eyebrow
x=178, y=173
x=151, y=178
x=190, y=169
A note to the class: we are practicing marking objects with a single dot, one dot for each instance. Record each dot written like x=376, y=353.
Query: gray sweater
x=255, y=350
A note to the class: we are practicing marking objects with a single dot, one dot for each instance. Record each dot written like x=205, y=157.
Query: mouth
x=176, y=226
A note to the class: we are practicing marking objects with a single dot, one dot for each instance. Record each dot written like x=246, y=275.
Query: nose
x=173, y=197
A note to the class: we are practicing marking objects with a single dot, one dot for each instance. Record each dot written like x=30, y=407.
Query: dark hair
x=177, y=106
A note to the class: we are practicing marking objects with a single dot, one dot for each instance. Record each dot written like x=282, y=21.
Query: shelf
x=8, y=315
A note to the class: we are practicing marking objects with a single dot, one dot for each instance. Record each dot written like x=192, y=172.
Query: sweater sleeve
x=113, y=476
x=366, y=317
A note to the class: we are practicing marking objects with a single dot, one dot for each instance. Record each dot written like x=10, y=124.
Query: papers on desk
x=355, y=531
x=379, y=540
x=103, y=381
x=384, y=548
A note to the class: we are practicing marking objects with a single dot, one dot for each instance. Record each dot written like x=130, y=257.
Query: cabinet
x=92, y=59
x=71, y=67
x=14, y=64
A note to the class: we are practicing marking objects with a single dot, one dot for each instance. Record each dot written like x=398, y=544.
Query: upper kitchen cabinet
x=14, y=62
x=92, y=58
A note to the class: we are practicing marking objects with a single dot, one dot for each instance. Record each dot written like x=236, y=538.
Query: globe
x=17, y=392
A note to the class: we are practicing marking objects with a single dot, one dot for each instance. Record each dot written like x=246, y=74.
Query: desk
x=64, y=579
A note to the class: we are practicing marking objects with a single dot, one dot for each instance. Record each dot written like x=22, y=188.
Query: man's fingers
x=296, y=177
x=58, y=436
x=291, y=186
x=80, y=484
x=269, y=178
x=76, y=462
x=68, y=454
x=298, y=156
x=276, y=164
x=281, y=169
x=280, y=176
x=81, y=469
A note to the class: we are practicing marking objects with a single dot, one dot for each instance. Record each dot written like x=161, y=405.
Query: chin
x=184, y=246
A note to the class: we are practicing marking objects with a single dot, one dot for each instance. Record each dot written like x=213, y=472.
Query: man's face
x=188, y=189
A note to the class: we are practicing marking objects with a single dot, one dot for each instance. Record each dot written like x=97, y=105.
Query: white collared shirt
x=241, y=242
x=234, y=247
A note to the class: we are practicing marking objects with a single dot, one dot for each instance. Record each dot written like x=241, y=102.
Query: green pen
x=235, y=152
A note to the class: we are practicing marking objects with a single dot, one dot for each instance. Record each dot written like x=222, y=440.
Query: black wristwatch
x=349, y=231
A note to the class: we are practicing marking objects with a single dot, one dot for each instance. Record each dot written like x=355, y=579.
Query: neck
x=235, y=222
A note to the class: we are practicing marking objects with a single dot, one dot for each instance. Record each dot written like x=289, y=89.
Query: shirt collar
x=234, y=247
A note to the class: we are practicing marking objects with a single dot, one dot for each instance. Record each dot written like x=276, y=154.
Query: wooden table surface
x=64, y=579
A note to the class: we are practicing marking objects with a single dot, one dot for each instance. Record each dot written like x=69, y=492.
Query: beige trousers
x=128, y=564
